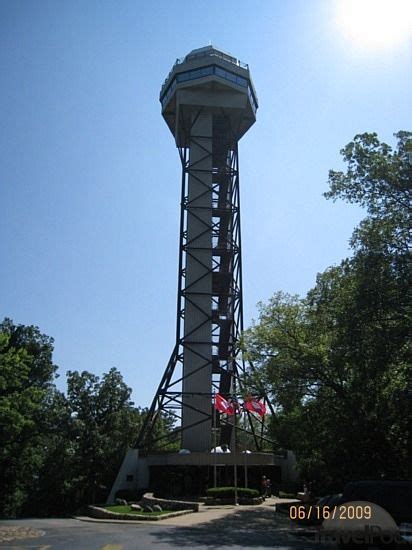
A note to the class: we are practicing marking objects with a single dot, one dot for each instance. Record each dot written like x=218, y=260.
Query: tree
x=378, y=179
x=104, y=426
x=55, y=492
x=336, y=362
x=57, y=452
x=26, y=379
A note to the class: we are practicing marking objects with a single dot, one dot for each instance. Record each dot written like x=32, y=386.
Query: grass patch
x=121, y=509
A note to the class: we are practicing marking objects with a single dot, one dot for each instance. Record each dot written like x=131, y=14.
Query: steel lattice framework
x=206, y=358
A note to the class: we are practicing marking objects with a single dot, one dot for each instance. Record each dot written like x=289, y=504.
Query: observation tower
x=208, y=102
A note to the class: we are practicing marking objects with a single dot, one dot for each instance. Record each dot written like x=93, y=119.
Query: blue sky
x=90, y=176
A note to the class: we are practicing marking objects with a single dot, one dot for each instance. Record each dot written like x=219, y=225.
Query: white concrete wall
x=290, y=473
x=128, y=467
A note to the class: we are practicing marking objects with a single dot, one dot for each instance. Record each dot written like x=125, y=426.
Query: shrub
x=229, y=492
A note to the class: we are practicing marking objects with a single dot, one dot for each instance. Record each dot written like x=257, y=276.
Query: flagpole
x=246, y=480
x=214, y=439
x=235, y=443
x=245, y=452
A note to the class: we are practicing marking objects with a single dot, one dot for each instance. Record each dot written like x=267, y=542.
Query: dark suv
x=394, y=497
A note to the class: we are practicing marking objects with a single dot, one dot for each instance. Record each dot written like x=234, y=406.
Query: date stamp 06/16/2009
x=341, y=512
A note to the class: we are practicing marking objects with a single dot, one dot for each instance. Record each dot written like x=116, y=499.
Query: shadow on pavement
x=244, y=528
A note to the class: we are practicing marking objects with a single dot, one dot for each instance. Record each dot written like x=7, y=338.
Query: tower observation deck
x=208, y=102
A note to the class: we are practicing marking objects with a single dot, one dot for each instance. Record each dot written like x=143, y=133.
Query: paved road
x=256, y=528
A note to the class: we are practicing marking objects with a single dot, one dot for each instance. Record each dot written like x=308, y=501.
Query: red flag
x=223, y=405
x=253, y=405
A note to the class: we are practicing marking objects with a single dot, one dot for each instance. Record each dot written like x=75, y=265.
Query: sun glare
x=375, y=24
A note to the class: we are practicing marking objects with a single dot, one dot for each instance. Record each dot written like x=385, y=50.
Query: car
x=394, y=496
x=374, y=513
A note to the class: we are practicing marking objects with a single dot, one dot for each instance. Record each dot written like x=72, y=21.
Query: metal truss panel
x=206, y=358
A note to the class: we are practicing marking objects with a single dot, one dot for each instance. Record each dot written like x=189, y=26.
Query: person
x=268, y=488
x=263, y=487
x=306, y=493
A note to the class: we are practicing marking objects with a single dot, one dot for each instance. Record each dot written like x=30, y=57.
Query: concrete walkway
x=205, y=514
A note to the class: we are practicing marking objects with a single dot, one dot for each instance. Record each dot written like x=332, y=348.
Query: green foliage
x=103, y=426
x=58, y=452
x=336, y=362
x=378, y=179
x=229, y=492
x=26, y=375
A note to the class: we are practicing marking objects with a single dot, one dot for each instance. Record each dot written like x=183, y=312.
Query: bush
x=229, y=492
